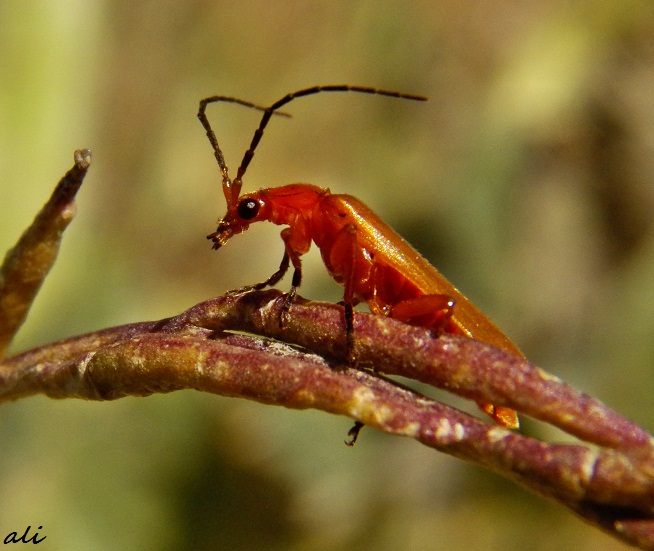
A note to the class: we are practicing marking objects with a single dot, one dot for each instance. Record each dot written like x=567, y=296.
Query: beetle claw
x=353, y=433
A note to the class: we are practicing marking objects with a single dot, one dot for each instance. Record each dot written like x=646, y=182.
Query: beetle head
x=240, y=214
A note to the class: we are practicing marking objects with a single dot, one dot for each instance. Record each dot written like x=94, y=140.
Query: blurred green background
x=528, y=179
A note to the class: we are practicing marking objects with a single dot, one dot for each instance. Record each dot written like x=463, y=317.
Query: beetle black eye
x=248, y=209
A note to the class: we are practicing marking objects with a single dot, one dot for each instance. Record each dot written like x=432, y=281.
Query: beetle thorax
x=292, y=204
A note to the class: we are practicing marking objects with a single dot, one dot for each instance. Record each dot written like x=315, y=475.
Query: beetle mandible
x=360, y=251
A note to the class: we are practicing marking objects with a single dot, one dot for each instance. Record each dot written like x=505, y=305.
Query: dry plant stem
x=612, y=489
x=462, y=366
x=28, y=263
x=611, y=486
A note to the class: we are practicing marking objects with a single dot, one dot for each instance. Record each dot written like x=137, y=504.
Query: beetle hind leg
x=504, y=417
x=431, y=311
x=435, y=312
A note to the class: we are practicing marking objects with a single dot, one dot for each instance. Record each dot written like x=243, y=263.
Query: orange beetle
x=360, y=251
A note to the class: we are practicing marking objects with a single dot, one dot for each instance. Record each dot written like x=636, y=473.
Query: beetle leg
x=431, y=311
x=503, y=416
x=344, y=255
x=435, y=312
x=353, y=433
x=291, y=256
x=278, y=275
x=272, y=280
x=294, y=257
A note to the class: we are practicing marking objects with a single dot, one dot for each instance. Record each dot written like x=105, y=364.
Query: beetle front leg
x=271, y=281
x=292, y=257
x=277, y=276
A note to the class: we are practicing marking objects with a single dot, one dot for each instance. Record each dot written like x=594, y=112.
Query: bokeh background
x=528, y=179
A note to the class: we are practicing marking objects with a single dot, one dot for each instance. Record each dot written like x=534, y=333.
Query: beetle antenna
x=268, y=112
x=231, y=189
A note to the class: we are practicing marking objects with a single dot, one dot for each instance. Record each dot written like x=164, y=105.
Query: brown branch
x=611, y=486
x=28, y=263
x=609, y=481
